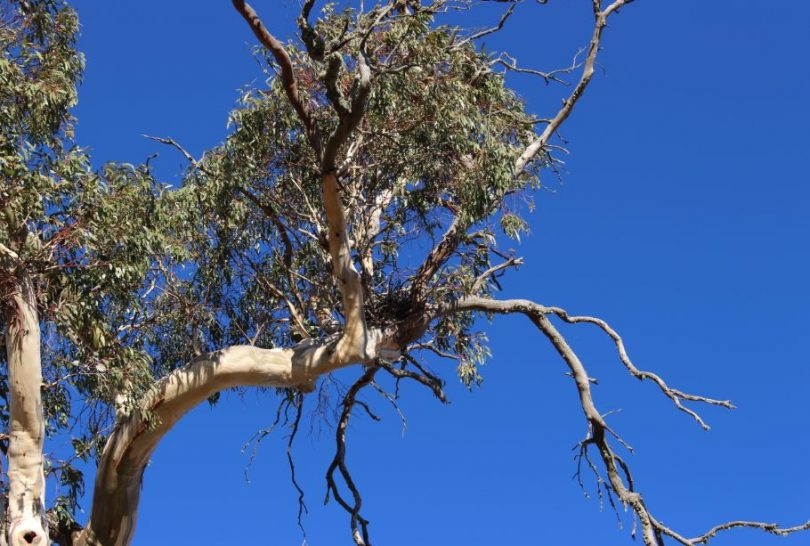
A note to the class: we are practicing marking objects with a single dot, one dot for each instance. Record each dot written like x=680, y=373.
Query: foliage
x=128, y=271
x=89, y=240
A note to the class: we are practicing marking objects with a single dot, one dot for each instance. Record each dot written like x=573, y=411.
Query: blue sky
x=682, y=218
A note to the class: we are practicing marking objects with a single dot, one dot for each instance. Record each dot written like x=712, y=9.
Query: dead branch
x=619, y=480
x=482, y=278
x=432, y=382
x=600, y=22
x=491, y=30
x=510, y=63
x=359, y=524
x=673, y=394
x=298, y=402
x=171, y=142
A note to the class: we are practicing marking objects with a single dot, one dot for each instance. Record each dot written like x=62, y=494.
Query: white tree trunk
x=26, y=499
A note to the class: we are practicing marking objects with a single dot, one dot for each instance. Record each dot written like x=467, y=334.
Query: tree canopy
x=359, y=212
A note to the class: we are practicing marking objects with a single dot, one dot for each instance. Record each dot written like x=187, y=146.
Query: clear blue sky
x=683, y=218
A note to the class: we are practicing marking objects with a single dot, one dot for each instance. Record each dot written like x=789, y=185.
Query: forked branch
x=673, y=394
x=619, y=480
x=359, y=524
x=540, y=143
x=355, y=341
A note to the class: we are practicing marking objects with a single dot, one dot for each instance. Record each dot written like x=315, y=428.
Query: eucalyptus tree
x=291, y=250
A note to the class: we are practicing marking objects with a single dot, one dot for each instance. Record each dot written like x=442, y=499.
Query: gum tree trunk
x=26, y=522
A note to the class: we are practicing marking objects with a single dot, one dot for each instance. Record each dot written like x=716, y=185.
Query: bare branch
x=771, y=528
x=175, y=144
x=298, y=401
x=491, y=30
x=601, y=18
x=673, y=394
x=616, y=469
x=392, y=398
x=510, y=64
x=473, y=303
x=432, y=382
x=359, y=525
x=482, y=278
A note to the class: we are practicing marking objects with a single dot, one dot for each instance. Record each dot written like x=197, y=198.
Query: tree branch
x=178, y=147
x=313, y=42
x=355, y=338
x=437, y=257
x=281, y=56
x=616, y=469
x=772, y=528
x=10, y=254
x=482, y=278
x=118, y=481
x=491, y=30
x=349, y=117
x=673, y=394
x=539, y=144
x=359, y=524
x=430, y=381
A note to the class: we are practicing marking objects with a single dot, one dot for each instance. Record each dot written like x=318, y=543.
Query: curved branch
x=119, y=478
x=491, y=30
x=473, y=303
x=772, y=528
x=430, y=381
x=118, y=481
x=313, y=42
x=359, y=524
x=616, y=469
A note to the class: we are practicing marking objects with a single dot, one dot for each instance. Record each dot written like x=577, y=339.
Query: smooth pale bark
x=118, y=482
x=119, y=479
x=26, y=497
x=355, y=338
